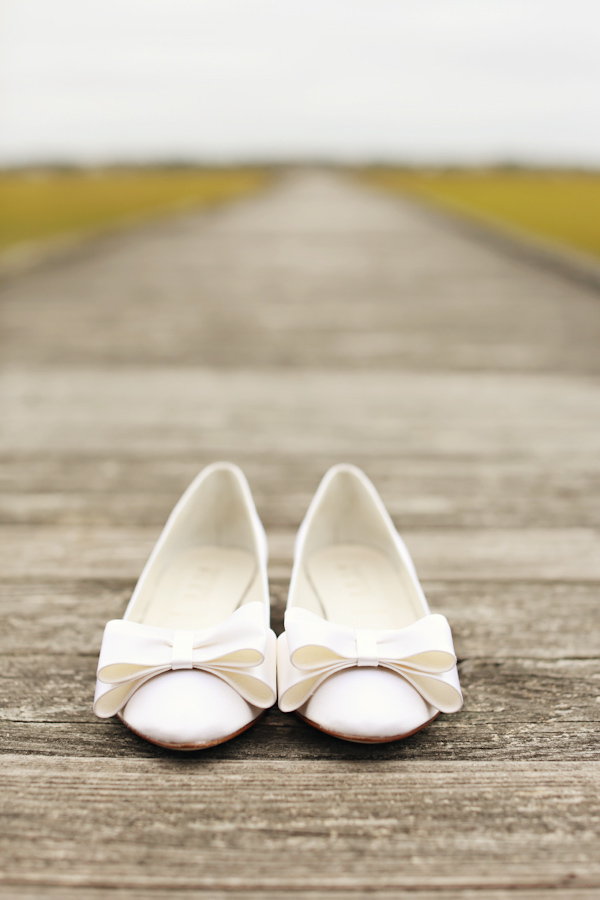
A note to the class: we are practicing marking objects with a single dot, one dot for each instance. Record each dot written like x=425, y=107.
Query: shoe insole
x=359, y=586
x=200, y=587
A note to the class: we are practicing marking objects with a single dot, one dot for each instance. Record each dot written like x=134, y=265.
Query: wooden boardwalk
x=316, y=323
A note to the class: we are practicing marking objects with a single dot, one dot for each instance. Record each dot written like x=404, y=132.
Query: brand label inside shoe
x=359, y=586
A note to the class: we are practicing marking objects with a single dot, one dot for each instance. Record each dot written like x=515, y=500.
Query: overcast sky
x=408, y=80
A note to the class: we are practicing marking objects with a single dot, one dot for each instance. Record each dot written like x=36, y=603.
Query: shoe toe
x=187, y=709
x=367, y=704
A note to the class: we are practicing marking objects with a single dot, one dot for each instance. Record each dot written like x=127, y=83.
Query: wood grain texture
x=555, y=554
x=336, y=823
x=26, y=892
x=158, y=410
x=514, y=709
x=315, y=323
x=452, y=492
x=50, y=892
x=512, y=688
x=540, y=619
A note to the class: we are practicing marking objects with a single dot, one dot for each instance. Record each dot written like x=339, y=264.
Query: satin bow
x=240, y=650
x=312, y=649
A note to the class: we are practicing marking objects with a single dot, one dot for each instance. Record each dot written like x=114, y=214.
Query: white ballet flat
x=192, y=663
x=361, y=658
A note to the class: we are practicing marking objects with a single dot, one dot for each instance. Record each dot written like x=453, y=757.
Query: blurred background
x=124, y=109
x=291, y=233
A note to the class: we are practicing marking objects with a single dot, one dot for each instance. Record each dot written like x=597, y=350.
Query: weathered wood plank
x=542, y=709
x=286, y=738
x=165, y=411
x=547, y=620
x=441, y=554
x=60, y=689
x=162, y=823
x=84, y=892
x=490, y=620
x=76, y=490
x=465, y=554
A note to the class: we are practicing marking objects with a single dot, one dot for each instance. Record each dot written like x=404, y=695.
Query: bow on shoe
x=311, y=649
x=239, y=650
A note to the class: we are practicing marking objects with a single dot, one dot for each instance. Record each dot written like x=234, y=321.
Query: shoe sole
x=189, y=747
x=363, y=740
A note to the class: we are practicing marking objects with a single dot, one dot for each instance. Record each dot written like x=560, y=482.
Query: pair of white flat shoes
x=194, y=661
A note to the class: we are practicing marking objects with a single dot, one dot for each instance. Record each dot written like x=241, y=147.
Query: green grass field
x=563, y=207
x=37, y=206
